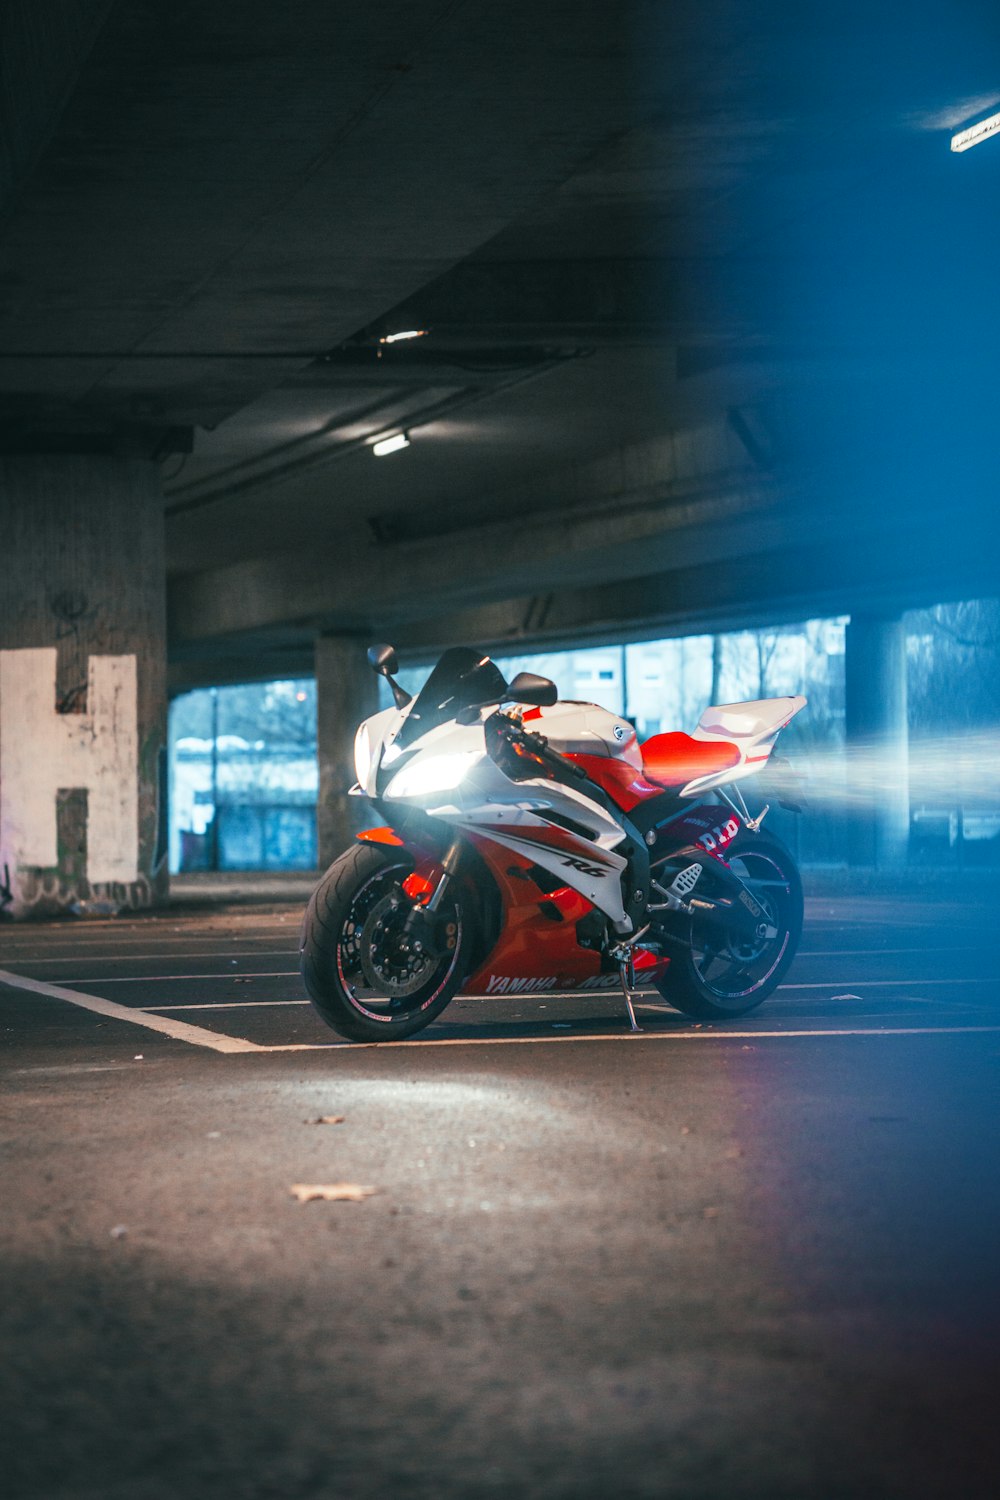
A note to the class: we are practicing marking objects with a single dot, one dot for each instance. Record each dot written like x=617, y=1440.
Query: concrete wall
x=82, y=684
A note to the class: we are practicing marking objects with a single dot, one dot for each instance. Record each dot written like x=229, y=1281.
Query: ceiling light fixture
x=390, y=444
x=976, y=133
x=409, y=333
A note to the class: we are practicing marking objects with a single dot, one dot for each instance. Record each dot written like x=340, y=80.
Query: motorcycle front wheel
x=360, y=968
x=717, y=978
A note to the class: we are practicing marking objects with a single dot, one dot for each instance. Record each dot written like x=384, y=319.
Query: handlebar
x=561, y=762
x=537, y=744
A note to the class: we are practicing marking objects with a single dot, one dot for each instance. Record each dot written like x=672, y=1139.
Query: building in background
x=243, y=778
x=243, y=759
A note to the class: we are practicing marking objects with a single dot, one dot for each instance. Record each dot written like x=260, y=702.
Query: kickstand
x=626, y=973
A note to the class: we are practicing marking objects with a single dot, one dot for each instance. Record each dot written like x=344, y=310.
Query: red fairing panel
x=626, y=786
x=675, y=759
x=380, y=836
x=534, y=952
x=420, y=884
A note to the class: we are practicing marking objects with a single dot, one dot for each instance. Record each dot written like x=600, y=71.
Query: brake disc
x=388, y=960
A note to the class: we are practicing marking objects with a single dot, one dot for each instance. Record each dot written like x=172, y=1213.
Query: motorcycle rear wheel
x=713, y=981
x=351, y=936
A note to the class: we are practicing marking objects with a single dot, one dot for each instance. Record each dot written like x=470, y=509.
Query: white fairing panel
x=752, y=727
x=513, y=813
x=753, y=721
x=586, y=729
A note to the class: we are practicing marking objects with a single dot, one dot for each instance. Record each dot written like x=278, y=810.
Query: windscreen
x=464, y=678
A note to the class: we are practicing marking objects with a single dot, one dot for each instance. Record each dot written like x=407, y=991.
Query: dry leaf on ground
x=331, y=1192
x=327, y=1120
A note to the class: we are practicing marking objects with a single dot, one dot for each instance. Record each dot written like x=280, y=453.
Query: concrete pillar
x=83, y=816
x=877, y=741
x=346, y=693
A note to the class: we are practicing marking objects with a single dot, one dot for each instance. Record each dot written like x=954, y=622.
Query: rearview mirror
x=382, y=659
x=527, y=687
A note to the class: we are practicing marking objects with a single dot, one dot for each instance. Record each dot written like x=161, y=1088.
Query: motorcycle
x=531, y=845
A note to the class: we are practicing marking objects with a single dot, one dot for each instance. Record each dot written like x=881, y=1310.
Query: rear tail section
x=751, y=728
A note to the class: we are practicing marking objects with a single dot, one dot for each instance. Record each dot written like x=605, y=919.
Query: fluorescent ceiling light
x=390, y=444
x=976, y=133
x=409, y=333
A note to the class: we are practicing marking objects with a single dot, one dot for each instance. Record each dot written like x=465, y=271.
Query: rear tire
x=365, y=877
x=714, y=983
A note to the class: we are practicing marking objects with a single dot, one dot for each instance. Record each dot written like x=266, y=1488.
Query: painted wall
x=82, y=685
x=43, y=752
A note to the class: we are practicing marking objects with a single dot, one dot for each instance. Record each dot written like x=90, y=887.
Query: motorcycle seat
x=674, y=759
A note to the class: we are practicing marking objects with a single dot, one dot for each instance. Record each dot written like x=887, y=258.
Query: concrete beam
x=782, y=564
x=759, y=589
x=612, y=517
x=729, y=308
x=625, y=299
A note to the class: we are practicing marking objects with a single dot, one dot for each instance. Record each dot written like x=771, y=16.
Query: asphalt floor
x=738, y=1261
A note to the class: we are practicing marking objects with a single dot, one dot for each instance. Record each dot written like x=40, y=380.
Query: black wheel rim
x=409, y=986
x=731, y=974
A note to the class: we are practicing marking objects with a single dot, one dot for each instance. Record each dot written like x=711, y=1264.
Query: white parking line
x=571, y=994
x=611, y=989
x=543, y=995
x=27, y=939
x=634, y=1036
x=138, y=958
x=198, y=1036
x=33, y=958
x=885, y=952
x=883, y=984
x=223, y=1005
x=95, y=933
x=229, y=974
x=181, y=1031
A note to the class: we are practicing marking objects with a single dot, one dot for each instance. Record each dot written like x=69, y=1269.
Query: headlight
x=362, y=755
x=440, y=773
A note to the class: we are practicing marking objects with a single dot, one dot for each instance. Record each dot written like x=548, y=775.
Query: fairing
x=751, y=728
x=574, y=832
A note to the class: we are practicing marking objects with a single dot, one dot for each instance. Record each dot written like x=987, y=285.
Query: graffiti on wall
x=43, y=753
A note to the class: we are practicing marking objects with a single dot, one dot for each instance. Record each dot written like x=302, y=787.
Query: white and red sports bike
x=539, y=847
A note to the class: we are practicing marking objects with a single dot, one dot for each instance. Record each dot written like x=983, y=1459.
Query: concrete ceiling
x=711, y=305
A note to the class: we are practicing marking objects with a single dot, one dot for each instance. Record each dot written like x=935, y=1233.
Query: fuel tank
x=586, y=729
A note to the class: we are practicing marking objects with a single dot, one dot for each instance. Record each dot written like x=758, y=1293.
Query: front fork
x=421, y=928
x=449, y=869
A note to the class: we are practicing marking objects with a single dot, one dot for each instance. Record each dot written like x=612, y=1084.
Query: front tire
x=713, y=981
x=350, y=949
